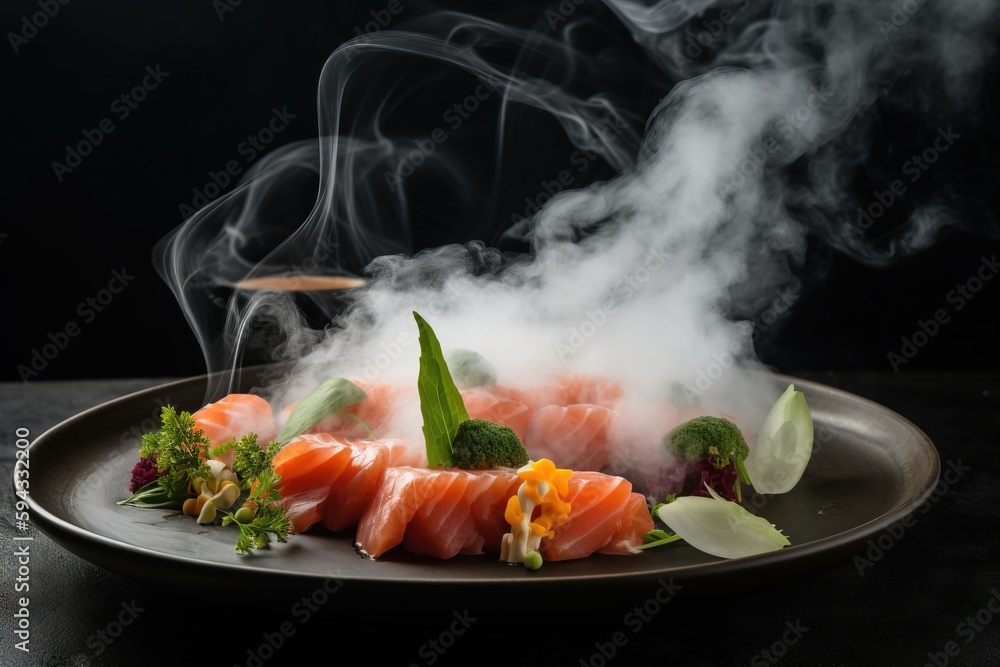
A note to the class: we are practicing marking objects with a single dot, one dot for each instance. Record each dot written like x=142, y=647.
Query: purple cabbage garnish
x=688, y=478
x=143, y=473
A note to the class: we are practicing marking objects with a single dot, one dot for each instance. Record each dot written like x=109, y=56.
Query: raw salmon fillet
x=330, y=480
x=582, y=388
x=444, y=513
x=607, y=517
x=482, y=403
x=233, y=416
x=573, y=436
x=534, y=396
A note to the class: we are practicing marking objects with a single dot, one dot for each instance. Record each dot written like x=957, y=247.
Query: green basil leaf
x=332, y=395
x=441, y=403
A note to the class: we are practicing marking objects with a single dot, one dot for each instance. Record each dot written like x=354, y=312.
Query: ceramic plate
x=870, y=468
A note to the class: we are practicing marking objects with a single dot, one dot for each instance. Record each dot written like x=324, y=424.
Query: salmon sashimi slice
x=534, y=396
x=404, y=452
x=574, y=435
x=481, y=403
x=331, y=480
x=306, y=509
x=351, y=495
x=439, y=513
x=444, y=513
x=233, y=416
x=582, y=388
x=606, y=517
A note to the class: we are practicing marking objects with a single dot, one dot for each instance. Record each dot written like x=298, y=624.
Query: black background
x=62, y=240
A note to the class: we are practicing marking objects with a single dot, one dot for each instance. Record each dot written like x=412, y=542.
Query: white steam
x=651, y=277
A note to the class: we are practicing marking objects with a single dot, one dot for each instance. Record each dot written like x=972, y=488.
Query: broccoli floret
x=470, y=369
x=714, y=437
x=480, y=444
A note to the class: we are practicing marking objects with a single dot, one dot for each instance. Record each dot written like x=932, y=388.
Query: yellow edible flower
x=543, y=486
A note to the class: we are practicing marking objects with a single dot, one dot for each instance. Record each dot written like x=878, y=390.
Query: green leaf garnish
x=720, y=527
x=151, y=495
x=441, y=403
x=784, y=445
x=657, y=537
x=329, y=397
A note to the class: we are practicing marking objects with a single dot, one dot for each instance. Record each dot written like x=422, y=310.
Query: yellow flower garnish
x=544, y=487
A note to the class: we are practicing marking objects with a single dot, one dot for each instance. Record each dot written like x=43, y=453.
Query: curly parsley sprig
x=250, y=460
x=181, y=453
x=270, y=521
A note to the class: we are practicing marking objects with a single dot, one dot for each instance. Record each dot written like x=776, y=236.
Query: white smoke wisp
x=651, y=277
x=628, y=280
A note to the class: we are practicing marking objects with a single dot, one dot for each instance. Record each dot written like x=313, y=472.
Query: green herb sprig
x=181, y=451
x=250, y=460
x=270, y=520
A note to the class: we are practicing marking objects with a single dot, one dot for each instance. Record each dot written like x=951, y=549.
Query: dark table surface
x=932, y=597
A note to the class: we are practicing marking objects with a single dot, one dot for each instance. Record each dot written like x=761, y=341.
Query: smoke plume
x=754, y=153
